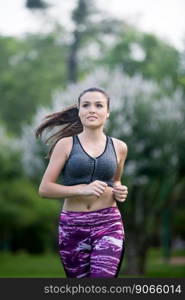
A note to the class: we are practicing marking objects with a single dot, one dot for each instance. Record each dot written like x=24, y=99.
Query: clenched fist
x=120, y=192
x=95, y=188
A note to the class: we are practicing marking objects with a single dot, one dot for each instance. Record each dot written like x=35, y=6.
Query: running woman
x=89, y=163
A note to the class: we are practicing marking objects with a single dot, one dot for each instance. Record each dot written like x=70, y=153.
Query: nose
x=92, y=108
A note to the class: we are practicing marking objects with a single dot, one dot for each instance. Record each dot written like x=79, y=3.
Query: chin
x=92, y=125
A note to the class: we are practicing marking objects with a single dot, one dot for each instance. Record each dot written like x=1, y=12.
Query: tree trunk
x=73, y=62
x=136, y=247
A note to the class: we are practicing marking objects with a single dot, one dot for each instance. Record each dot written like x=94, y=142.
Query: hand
x=120, y=192
x=95, y=188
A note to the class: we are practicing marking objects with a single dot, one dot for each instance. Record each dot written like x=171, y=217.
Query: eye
x=98, y=105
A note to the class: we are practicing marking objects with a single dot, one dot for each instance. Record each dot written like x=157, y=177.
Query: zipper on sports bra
x=95, y=161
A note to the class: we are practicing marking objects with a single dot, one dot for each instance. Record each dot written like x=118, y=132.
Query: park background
x=49, y=54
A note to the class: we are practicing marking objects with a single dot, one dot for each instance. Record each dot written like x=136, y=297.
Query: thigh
x=108, y=249
x=75, y=249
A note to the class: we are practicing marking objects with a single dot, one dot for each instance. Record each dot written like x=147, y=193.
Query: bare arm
x=123, y=155
x=48, y=187
x=120, y=191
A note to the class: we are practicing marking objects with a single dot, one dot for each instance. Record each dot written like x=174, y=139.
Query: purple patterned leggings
x=91, y=244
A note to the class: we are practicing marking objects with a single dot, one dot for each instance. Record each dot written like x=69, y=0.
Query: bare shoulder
x=64, y=145
x=121, y=145
x=121, y=148
x=64, y=141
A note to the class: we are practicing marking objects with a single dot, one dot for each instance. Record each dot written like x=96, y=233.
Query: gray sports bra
x=80, y=167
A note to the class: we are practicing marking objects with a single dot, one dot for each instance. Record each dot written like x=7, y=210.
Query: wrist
x=80, y=190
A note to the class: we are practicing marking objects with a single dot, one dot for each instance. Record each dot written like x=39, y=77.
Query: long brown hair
x=68, y=119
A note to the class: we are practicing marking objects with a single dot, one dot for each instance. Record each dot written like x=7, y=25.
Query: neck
x=95, y=134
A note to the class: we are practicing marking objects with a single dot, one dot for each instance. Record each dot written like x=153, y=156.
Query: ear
x=108, y=114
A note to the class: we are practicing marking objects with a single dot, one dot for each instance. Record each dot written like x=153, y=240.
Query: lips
x=92, y=117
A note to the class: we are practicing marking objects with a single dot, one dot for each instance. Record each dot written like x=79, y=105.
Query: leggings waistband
x=90, y=218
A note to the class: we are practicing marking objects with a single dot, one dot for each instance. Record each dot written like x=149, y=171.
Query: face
x=93, y=110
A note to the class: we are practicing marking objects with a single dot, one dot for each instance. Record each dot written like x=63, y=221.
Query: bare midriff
x=90, y=203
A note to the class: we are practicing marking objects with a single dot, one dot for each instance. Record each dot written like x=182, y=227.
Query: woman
x=91, y=232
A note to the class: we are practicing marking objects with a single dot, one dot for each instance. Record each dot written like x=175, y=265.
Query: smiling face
x=93, y=109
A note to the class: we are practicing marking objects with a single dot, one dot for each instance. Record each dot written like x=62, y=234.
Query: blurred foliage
x=154, y=170
x=36, y=4
x=178, y=221
x=90, y=28
x=146, y=54
x=26, y=220
x=31, y=69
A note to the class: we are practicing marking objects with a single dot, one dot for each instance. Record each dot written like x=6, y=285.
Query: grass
x=157, y=267
x=23, y=264
x=48, y=265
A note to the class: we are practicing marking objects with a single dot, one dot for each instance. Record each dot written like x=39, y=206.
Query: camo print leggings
x=91, y=244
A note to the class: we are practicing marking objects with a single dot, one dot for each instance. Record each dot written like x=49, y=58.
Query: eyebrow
x=85, y=101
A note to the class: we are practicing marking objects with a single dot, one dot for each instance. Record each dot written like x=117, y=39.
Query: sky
x=165, y=18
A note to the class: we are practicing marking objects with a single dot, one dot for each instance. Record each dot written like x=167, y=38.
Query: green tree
x=31, y=69
x=87, y=32
x=26, y=221
x=146, y=54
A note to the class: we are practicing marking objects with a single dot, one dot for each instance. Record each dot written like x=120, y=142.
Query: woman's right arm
x=48, y=187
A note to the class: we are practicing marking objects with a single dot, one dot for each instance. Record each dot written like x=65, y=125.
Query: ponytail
x=71, y=125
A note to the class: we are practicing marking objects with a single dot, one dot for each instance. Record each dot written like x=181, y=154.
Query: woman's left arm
x=120, y=191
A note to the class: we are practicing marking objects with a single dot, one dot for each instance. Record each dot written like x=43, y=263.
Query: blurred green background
x=144, y=75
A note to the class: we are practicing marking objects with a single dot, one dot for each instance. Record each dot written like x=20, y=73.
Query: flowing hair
x=68, y=121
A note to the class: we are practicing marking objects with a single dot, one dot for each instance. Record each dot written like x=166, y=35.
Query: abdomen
x=89, y=203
